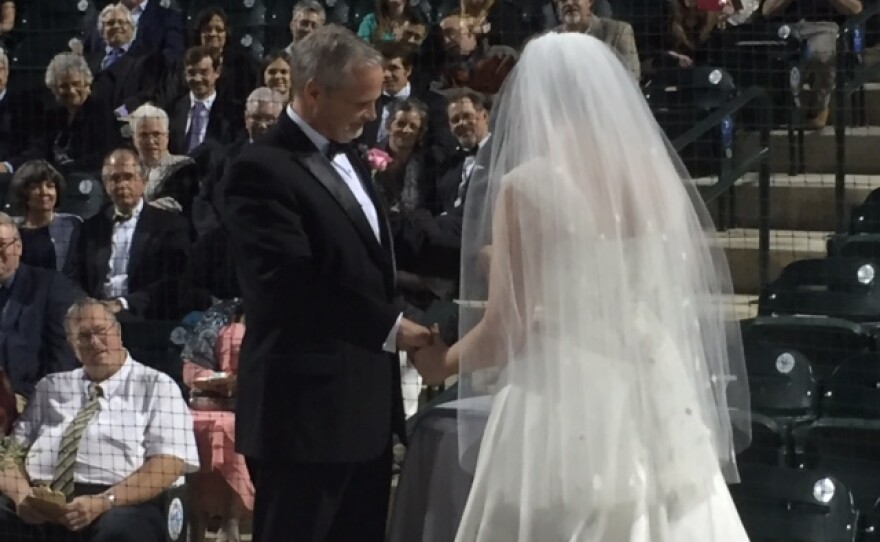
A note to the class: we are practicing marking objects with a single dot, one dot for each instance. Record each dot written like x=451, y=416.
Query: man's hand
x=412, y=336
x=82, y=511
x=431, y=361
x=26, y=512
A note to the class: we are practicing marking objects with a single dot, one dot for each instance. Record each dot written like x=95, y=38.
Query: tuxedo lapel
x=178, y=125
x=21, y=293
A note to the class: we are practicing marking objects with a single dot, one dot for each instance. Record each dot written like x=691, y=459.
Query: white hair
x=144, y=112
x=66, y=63
x=118, y=8
x=265, y=95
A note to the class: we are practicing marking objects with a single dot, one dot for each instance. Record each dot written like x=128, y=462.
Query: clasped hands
x=79, y=513
x=426, y=350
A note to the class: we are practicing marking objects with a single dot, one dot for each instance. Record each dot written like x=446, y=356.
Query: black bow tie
x=461, y=151
x=121, y=217
x=334, y=148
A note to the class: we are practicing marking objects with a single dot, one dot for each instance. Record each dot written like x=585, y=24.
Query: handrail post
x=840, y=122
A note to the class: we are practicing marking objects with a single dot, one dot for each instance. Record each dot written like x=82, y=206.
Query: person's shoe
x=819, y=121
x=229, y=532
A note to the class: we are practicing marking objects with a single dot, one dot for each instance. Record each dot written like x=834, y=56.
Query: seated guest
x=48, y=238
x=223, y=487
x=202, y=114
x=80, y=130
x=398, y=67
x=403, y=184
x=131, y=254
x=384, y=25
x=307, y=16
x=32, y=306
x=815, y=22
x=156, y=28
x=414, y=29
x=125, y=76
x=240, y=70
x=172, y=179
x=469, y=122
x=110, y=436
x=577, y=16
x=21, y=124
x=276, y=72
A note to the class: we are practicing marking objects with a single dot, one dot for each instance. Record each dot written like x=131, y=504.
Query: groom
x=318, y=383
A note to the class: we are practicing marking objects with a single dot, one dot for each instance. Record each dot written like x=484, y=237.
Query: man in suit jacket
x=131, y=254
x=201, y=114
x=398, y=68
x=33, y=303
x=157, y=29
x=577, y=16
x=21, y=126
x=125, y=74
x=318, y=384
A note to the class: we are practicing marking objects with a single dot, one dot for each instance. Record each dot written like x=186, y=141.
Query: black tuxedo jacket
x=132, y=80
x=79, y=145
x=314, y=383
x=225, y=121
x=32, y=339
x=156, y=260
x=159, y=29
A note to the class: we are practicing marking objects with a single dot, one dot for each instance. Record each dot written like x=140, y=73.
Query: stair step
x=797, y=202
x=820, y=150
x=786, y=246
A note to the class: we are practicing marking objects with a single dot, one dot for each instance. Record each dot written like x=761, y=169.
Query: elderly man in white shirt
x=111, y=436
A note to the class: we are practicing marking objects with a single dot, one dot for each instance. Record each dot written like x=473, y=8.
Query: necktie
x=111, y=57
x=119, y=217
x=63, y=480
x=197, y=122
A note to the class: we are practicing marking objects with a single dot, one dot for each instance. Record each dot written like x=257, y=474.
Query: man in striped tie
x=110, y=436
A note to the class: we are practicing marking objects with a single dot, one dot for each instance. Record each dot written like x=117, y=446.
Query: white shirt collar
x=483, y=141
x=2, y=94
x=317, y=139
x=124, y=48
x=136, y=212
x=208, y=102
x=110, y=385
x=139, y=9
x=404, y=92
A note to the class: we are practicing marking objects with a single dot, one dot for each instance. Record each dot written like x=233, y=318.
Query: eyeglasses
x=7, y=244
x=84, y=338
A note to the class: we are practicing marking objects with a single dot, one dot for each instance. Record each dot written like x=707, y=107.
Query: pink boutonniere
x=377, y=159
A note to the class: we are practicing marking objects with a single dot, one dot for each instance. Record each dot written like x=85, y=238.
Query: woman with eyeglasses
x=240, y=71
x=47, y=236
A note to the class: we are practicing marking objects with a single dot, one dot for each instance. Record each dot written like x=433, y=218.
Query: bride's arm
x=499, y=332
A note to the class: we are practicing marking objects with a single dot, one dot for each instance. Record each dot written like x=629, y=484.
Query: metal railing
x=731, y=169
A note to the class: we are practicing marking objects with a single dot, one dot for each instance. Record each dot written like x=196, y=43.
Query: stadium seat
x=781, y=383
x=778, y=504
x=866, y=245
x=825, y=341
x=849, y=448
x=175, y=505
x=865, y=218
x=57, y=15
x=838, y=287
x=83, y=195
x=853, y=389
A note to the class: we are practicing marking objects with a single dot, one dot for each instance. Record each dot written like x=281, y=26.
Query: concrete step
x=820, y=148
x=799, y=202
x=786, y=246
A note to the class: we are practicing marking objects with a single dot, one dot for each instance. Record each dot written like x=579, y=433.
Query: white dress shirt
x=141, y=415
x=402, y=95
x=136, y=15
x=355, y=185
x=209, y=103
x=116, y=285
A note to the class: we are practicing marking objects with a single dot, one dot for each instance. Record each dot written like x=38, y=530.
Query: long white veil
x=606, y=307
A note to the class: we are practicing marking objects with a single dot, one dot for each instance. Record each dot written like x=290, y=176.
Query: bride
x=604, y=339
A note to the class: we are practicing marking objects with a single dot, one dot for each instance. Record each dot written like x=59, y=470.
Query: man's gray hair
x=119, y=8
x=6, y=220
x=67, y=63
x=125, y=151
x=327, y=53
x=75, y=311
x=265, y=95
x=144, y=112
x=304, y=6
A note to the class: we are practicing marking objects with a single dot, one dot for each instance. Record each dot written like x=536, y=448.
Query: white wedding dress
x=614, y=363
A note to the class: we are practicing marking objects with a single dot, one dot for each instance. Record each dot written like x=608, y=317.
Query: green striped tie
x=63, y=480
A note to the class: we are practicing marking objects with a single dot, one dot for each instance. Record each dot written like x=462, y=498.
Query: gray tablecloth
x=433, y=485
